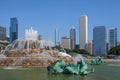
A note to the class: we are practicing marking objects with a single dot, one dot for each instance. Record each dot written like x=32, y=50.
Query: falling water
x=77, y=58
x=32, y=48
x=31, y=34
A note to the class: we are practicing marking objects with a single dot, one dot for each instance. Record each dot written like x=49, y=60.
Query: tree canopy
x=79, y=51
x=115, y=50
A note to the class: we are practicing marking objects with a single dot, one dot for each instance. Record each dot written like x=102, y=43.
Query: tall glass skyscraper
x=13, y=29
x=99, y=41
x=73, y=37
x=83, y=31
x=112, y=37
x=57, y=42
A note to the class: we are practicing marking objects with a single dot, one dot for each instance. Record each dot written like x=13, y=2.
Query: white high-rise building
x=83, y=32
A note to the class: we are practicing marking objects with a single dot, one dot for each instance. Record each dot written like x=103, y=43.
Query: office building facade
x=40, y=37
x=90, y=48
x=13, y=29
x=57, y=42
x=83, y=32
x=73, y=37
x=2, y=33
x=66, y=42
x=112, y=37
x=99, y=41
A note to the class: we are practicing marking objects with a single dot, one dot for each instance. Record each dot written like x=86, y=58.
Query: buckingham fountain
x=31, y=52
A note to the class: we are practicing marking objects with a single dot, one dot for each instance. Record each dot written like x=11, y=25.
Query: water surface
x=108, y=71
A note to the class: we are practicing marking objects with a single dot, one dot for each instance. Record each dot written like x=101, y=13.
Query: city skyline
x=45, y=15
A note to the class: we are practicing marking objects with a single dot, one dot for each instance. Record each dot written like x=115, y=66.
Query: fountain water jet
x=31, y=52
x=31, y=34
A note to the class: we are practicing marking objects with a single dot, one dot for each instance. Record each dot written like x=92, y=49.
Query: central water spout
x=31, y=34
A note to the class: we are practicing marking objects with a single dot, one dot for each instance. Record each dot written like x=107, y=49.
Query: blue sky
x=46, y=15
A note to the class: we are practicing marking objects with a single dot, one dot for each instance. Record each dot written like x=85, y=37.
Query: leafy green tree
x=76, y=50
x=57, y=47
x=115, y=50
x=4, y=43
x=68, y=50
x=82, y=51
x=79, y=51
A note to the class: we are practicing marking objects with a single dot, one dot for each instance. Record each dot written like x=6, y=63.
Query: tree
x=115, y=50
x=57, y=47
x=79, y=51
x=82, y=51
x=4, y=43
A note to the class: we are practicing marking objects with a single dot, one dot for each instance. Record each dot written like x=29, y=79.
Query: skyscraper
x=13, y=29
x=39, y=37
x=57, y=42
x=99, y=41
x=73, y=37
x=83, y=32
x=2, y=33
x=90, y=48
x=66, y=42
x=112, y=37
